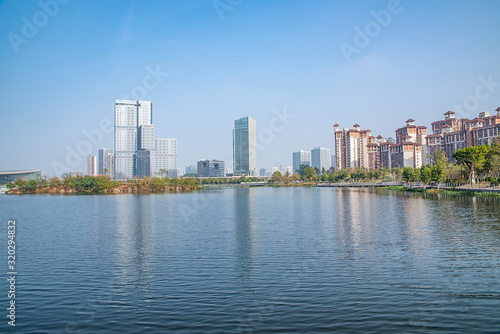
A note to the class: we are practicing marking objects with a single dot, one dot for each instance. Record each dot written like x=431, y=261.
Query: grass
x=393, y=188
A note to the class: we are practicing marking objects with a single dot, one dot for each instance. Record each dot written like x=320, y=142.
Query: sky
x=296, y=66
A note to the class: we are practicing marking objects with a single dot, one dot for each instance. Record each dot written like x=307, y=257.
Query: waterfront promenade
x=361, y=184
x=478, y=187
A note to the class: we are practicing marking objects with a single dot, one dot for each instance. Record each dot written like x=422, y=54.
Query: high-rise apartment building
x=356, y=148
x=300, y=158
x=106, y=162
x=191, y=169
x=451, y=134
x=137, y=151
x=92, y=165
x=245, y=146
x=321, y=158
x=350, y=146
x=413, y=147
x=164, y=156
x=129, y=117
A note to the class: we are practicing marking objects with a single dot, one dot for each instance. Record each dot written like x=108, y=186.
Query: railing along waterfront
x=360, y=184
x=463, y=186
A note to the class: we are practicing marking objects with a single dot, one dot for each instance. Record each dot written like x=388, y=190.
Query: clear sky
x=322, y=61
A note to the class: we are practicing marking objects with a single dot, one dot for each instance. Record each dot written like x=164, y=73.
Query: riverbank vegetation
x=101, y=184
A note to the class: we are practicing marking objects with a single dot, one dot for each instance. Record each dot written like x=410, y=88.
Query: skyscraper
x=92, y=165
x=245, y=146
x=129, y=116
x=321, y=158
x=301, y=158
x=137, y=151
x=105, y=161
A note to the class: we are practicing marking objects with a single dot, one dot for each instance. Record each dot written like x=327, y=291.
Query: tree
x=308, y=172
x=374, y=174
x=163, y=172
x=411, y=174
x=438, y=172
x=472, y=159
x=492, y=164
x=277, y=177
x=300, y=171
x=397, y=172
x=425, y=174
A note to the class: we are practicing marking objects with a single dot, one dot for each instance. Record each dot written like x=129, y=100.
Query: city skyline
x=319, y=66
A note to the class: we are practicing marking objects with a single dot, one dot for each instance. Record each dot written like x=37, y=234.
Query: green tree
x=410, y=174
x=492, y=164
x=438, y=171
x=472, y=159
x=163, y=172
x=277, y=177
x=309, y=172
x=425, y=174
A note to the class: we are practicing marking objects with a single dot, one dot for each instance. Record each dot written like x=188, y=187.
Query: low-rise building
x=211, y=168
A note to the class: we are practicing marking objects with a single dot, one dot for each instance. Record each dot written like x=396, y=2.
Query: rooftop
x=13, y=172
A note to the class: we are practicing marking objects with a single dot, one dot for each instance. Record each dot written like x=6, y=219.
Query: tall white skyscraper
x=106, y=162
x=92, y=165
x=301, y=158
x=164, y=156
x=245, y=146
x=129, y=116
x=321, y=158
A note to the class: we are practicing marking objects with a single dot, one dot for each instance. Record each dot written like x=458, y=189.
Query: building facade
x=245, y=146
x=413, y=147
x=137, y=151
x=356, y=148
x=211, y=168
x=129, y=117
x=92, y=165
x=350, y=147
x=300, y=158
x=105, y=162
x=451, y=134
x=321, y=158
x=26, y=175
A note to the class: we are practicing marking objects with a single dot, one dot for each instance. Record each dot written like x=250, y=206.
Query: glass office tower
x=244, y=146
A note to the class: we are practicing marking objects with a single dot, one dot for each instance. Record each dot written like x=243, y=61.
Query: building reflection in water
x=135, y=239
x=245, y=223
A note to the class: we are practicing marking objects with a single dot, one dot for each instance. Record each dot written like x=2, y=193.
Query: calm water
x=261, y=260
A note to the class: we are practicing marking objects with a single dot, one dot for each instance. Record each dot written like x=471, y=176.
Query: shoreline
x=135, y=188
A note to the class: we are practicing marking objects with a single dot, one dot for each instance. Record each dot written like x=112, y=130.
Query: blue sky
x=429, y=57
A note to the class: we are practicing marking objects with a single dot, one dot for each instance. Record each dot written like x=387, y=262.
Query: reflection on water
x=262, y=260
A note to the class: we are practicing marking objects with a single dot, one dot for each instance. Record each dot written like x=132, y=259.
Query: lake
x=254, y=260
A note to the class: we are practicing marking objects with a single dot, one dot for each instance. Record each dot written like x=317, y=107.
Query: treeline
x=229, y=180
x=101, y=184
